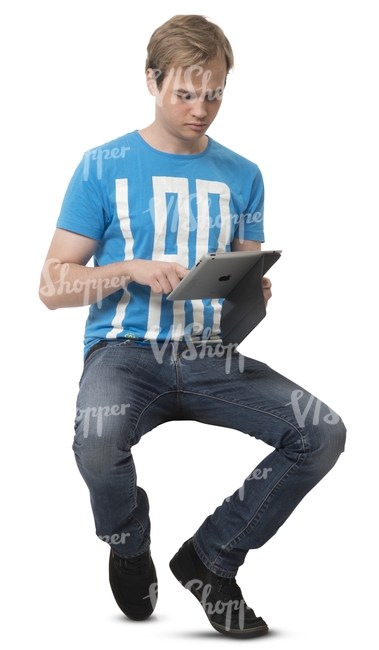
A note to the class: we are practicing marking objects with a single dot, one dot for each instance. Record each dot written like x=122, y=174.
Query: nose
x=198, y=108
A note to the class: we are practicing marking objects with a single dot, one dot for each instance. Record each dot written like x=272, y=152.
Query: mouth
x=197, y=126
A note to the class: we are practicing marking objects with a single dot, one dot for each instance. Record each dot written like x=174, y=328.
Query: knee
x=326, y=441
x=99, y=451
x=98, y=464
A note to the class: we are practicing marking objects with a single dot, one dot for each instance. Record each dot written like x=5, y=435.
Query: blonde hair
x=186, y=40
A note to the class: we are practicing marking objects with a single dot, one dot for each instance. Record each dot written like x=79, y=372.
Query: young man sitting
x=147, y=206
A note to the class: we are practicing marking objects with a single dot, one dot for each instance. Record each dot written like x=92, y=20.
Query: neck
x=169, y=143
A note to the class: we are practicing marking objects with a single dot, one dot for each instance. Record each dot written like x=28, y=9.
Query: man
x=147, y=206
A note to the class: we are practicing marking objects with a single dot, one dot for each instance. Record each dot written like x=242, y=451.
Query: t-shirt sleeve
x=250, y=225
x=83, y=209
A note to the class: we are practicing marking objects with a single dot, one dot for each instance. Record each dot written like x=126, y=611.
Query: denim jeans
x=128, y=388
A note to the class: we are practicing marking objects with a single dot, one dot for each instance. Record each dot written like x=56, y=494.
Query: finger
x=155, y=285
x=266, y=283
x=267, y=295
x=163, y=282
x=174, y=275
x=181, y=271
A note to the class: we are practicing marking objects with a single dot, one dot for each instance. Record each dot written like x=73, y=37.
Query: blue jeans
x=128, y=388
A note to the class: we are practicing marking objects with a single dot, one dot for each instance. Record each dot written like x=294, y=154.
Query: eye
x=188, y=97
x=215, y=94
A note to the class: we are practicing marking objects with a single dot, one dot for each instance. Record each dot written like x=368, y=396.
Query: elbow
x=49, y=288
x=48, y=301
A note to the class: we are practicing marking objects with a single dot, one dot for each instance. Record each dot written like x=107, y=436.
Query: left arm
x=248, y=245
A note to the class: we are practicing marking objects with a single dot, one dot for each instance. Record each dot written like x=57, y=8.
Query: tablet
x=215, y=275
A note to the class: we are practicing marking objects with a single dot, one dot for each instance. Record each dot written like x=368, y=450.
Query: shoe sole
x=238, y=634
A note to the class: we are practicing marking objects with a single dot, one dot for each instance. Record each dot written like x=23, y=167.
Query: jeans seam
x=167, y=392
x=251, y=408
x=210, y=565
x=255, y=518
x=179, y=385
x=215, y=568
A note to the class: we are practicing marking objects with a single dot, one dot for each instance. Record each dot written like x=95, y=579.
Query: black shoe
x=134, y=583
x=221, y=598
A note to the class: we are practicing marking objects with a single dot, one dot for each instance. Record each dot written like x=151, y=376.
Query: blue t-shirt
x=142, y=203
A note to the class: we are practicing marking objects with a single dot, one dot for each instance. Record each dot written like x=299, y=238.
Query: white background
x=302, y=103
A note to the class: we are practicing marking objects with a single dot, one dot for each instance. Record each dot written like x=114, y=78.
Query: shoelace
x=132, y=565
x=229, y=588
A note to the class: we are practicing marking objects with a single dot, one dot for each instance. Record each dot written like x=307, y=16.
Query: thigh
x=241, y=393
x=119, y=395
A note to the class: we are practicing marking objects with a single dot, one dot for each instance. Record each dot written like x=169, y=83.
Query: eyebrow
x=188, y=92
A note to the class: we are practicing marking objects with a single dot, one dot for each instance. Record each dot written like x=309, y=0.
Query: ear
x=151, y=83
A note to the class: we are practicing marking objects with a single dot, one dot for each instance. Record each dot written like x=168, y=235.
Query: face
x=188, y=101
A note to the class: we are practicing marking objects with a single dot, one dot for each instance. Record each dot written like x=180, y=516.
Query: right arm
x=66, y=281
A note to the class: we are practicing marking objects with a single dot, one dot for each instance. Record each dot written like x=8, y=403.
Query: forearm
x=74, y=285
